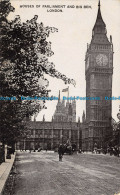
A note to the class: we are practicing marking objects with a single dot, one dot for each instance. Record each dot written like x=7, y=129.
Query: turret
x=74, y=111
x=83, y=117
x=34, y=119
x=43, y=118
x=59, y=96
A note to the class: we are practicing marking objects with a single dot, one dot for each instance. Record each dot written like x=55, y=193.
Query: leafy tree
x=24, y=62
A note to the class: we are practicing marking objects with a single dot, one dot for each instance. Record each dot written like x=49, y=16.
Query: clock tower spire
x=98, y=72
x=99, y=30
x=99, y=4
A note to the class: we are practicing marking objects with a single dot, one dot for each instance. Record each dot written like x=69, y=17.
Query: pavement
x=41, y=173
x=5, y=169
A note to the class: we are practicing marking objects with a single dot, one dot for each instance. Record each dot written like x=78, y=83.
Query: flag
x=65, y=90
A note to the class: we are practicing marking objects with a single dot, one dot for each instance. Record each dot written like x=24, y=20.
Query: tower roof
x=99, y=29
x=99, y=21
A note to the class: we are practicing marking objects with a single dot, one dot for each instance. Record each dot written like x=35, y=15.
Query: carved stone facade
x=62, y=129
x=98, y=72
x=65, y=112
x=50, y=134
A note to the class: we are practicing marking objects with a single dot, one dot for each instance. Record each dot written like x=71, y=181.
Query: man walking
x=60, y=152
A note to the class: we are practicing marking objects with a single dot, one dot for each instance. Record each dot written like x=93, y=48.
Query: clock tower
x=98, y=72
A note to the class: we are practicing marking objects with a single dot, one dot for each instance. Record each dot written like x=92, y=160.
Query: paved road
x=80, y=174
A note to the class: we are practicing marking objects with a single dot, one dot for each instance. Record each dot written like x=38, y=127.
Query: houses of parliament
x=95, y=127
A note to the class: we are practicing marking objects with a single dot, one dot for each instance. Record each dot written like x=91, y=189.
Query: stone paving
x=5, y=169
x=78, y=174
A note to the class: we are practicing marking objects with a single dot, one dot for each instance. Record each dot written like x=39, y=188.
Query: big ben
x=98, y=72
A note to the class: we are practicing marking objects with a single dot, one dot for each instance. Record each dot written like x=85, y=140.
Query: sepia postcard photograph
x=59, y=97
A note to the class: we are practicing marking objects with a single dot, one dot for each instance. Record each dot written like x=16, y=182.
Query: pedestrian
x=60, y=152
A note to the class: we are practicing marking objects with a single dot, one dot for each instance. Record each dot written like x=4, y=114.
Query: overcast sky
x=70, y=43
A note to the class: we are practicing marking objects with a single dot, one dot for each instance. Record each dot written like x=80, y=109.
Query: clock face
x=102, y=60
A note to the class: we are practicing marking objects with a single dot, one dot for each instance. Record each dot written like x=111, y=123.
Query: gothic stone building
x=61, y=130
x=98, y=72
x=65, y=113
x=50, y=134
